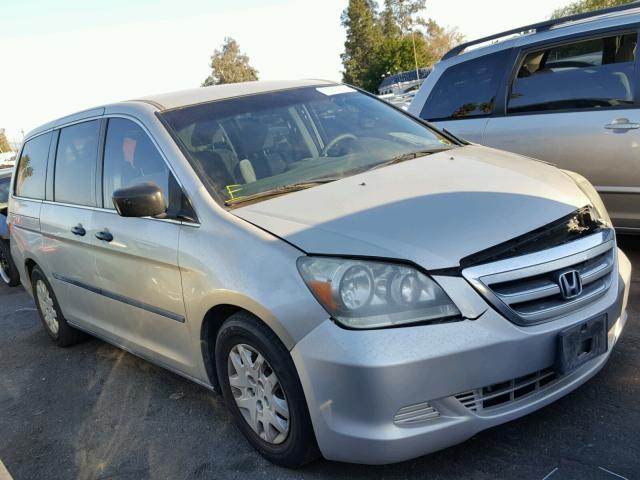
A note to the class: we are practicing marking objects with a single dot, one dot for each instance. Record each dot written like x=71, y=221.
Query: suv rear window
x=32, y=168
x=74, y=179
x=586, y=74
x=467, y=89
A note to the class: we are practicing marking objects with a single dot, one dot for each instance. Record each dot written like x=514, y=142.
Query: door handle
x=104, y=236
x=79, y=230
x=622, y=124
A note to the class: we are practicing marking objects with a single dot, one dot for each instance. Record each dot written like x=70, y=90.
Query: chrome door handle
x=104, y=236
x=79, y=230
x=622, y=124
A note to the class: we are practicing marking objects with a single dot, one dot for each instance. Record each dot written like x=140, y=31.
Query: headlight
x=371, y=294
x=593, y=196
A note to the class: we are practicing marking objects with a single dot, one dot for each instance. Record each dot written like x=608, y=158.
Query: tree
x=390, y=27
x=230, y=65
x=394, y=40
x=4, y=143
x=440, y=39
x=581, y=6
x=364, y=36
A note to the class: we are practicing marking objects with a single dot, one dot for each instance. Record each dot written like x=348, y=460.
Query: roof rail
x=540, y=27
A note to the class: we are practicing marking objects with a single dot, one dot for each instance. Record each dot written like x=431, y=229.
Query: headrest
x=203, y=134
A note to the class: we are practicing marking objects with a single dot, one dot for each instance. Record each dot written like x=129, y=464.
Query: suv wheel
x=63, y=334
x=8, y=271
x=260, y=386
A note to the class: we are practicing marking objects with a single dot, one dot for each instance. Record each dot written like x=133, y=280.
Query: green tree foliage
x=586, y=6
x=381, y=43
x=4, y=143
x=364, y=36
x=230, y=65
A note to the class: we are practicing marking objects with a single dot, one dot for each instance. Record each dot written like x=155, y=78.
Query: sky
x=61, y=56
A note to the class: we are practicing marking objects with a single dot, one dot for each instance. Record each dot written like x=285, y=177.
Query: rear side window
x=131, y=158
x=75, y=171
x=591, y=73
x=32, y=168
x=467, y=89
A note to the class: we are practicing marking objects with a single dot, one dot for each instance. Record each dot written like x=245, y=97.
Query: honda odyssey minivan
x=356, y=283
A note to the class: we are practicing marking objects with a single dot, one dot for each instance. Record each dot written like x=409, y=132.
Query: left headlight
x=371, y=294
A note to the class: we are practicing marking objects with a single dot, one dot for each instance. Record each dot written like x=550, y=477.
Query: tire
x=62, y=334
x=296, y=447
x=8, y=271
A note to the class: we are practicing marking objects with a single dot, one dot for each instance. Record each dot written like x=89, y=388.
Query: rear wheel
x=260, y=385
x=63, y=334
x=8, y=271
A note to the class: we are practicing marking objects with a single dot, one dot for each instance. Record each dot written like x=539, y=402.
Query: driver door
x=137, y=258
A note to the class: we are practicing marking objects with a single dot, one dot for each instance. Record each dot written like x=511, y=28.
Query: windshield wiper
x=274, y=192
x=409, y=156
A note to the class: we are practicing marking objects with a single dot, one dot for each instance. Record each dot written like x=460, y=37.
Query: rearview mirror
x=142, y=200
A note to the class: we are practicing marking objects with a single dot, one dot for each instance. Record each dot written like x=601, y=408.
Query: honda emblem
x=570, y=284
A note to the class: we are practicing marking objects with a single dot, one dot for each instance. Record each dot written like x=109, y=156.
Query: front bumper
x=356, y=382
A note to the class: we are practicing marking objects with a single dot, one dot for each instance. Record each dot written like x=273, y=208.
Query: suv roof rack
x=540, y=27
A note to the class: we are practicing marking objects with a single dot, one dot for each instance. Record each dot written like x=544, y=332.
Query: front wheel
x=260, y=385
x=8, y=271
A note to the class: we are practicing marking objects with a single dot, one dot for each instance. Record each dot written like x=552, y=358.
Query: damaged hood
x=433, y=210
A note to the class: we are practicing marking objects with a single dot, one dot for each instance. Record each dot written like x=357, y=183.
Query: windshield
x=4, y=191
x=249, y=145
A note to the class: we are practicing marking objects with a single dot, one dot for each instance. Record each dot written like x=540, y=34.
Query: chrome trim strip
x=611, y=189
x=536, y=263
x=121, y=298
x=559, y=310
x=535, y=293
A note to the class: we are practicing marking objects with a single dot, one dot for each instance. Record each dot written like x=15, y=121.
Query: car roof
x=554, y=30
x=193, y=96
x=182, y=98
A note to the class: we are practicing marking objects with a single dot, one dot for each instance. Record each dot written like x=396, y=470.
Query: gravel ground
x=93, y=411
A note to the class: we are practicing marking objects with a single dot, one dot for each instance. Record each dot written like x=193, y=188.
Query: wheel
x=63, y=334
x=261, y=387
x=8, y=271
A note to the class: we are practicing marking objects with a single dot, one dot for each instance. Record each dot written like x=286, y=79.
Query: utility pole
x=415, y=55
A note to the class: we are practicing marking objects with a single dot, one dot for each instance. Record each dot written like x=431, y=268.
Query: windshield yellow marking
x=233, y=189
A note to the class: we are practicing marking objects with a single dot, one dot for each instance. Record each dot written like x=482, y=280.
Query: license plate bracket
x=581, y=343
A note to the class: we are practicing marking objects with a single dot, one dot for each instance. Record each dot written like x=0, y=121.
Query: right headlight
x=372, y=294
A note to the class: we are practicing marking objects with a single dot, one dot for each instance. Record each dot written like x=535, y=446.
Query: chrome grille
x=501, y=394
x=420, y=412
x=526, y=289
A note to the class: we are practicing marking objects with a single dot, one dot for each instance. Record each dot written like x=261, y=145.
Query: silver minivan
x=566, y=91
x=354, y=282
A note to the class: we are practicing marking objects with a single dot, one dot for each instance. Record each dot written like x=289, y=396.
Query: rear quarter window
x=32, y=168
x=467, y=89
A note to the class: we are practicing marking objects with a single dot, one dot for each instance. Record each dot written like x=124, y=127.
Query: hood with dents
x=433, y=210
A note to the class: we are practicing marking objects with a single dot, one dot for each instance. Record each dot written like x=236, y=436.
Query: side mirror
x=142, y=200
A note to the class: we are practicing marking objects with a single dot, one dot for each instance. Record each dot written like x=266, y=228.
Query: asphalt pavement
x=95, y=412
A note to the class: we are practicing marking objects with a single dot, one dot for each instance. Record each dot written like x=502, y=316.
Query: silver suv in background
x=352, y=280
x=566, y=91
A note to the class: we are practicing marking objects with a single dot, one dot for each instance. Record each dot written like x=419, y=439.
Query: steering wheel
x=340, y=138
